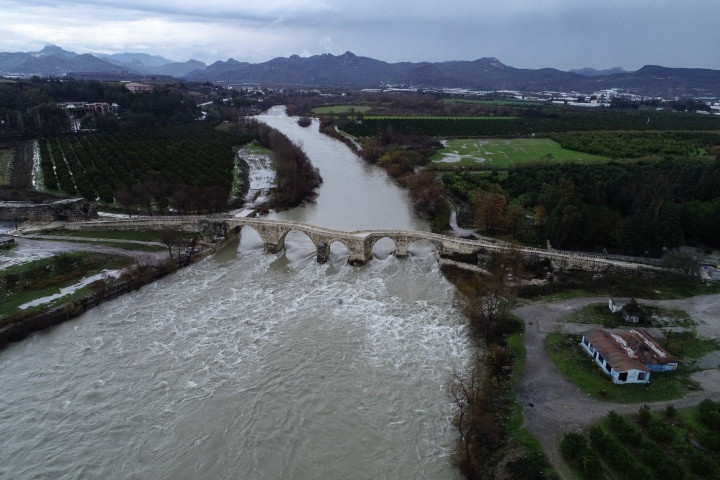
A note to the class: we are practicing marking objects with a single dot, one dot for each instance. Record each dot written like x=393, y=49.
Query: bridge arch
x=383, y=246
x=423, y=244
x=248, y=234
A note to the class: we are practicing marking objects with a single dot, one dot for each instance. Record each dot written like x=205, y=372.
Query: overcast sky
x=563, y=34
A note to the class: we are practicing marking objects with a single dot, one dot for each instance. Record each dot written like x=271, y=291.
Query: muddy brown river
x=248, y=365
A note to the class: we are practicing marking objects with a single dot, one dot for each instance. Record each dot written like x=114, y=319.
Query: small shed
x=632, y=313
x=616, y=304
x=628, y=308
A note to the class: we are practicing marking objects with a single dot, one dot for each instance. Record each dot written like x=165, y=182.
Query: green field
x=340, y=109
x=505, y=153
x=501, y=103
x=436, y=117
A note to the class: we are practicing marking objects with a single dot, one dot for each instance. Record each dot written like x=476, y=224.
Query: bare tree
x=171, y=237
x=479, y=403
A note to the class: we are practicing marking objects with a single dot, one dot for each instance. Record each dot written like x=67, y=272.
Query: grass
x=505, y=153
x=435, y=117
x=688, y=345
x=23, y=283
x=562, y=295
x=515, y=422
x=599, y=314
x=655, y=289
x=254, y=148
x=666, y=289
x=134, y=235
x=119, y=244
x=340, y=109
x=6, y=160
x=582, y=371
x=516, y=431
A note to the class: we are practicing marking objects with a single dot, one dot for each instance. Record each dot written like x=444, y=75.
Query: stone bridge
x=360, y=243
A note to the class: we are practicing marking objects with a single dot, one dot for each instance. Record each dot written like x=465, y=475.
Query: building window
x=641, y=376
x=608, y=367
x=623, y=377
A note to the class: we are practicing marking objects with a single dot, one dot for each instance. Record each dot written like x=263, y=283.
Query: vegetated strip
x=665, y=445
x=535, y=122
x=134, y=235
x=22, y=283
x=340, y=109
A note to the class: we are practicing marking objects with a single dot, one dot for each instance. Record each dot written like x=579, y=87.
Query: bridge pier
x=323, y=252
x=401, y=249
x=271, y=247
x=358, y=258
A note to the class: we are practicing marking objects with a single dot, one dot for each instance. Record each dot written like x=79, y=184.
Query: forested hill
x=350, y=70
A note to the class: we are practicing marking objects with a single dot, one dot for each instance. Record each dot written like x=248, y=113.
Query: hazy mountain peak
x=592, y=72
x=54, y=50
x=491, y=62
x=135, y=58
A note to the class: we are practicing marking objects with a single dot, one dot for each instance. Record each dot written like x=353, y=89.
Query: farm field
x=504, y=153
x=340, y=109
x=435, y=117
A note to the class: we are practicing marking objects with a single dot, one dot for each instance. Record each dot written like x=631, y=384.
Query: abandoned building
x=628, y=308
x=627, y=356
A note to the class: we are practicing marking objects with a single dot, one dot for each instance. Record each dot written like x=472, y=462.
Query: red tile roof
x=628, y=349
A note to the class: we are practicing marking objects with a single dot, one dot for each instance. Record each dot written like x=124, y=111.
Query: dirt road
x=553, y=406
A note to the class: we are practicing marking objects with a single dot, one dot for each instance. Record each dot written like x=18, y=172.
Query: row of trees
x=160, y=197
x=641, y=144
x=186, y=167
x=635, y=208
x=534, y=121
x=99, y=165
x=482, y=393
x=646, y=446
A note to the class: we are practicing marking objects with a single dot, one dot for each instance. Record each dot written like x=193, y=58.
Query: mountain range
x=352, y=71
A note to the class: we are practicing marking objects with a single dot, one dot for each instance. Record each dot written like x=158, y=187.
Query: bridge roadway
x=360, y=243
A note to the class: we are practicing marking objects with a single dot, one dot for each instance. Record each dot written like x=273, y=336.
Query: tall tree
x=489, y=209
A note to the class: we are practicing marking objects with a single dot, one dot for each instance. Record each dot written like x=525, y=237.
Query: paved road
x=552, y=405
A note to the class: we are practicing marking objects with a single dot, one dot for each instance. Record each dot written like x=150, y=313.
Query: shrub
x=709, y=414
x=644, y=416
x=623, y=429
x=572, y=445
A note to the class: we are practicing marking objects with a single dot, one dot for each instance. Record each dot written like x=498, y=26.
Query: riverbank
x=145, y=270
